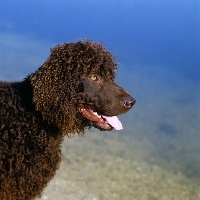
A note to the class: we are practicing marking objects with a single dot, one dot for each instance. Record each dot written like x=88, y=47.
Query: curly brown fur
x=80, y=59
x=59, y=99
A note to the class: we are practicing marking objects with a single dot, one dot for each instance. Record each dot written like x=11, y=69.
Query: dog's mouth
x=101, y=122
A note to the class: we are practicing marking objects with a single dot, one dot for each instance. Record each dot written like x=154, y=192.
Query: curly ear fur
x=55, y=83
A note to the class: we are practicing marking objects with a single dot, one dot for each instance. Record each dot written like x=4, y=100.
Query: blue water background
x=157, y=45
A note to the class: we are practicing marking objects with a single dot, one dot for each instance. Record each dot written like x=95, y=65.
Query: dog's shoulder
x=4, y=91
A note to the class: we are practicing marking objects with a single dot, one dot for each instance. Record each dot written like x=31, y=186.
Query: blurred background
x=157, y=45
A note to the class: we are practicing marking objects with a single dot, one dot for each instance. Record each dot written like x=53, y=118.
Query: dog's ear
x=54, y=94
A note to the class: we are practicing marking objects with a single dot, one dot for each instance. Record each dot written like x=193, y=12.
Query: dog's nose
x=129, y=102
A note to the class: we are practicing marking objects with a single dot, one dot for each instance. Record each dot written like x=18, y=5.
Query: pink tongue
x=114, y=122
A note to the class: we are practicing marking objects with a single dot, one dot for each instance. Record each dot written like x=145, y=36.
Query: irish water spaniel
x=73, y=90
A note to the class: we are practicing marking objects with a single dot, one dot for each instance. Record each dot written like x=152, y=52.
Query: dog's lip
x=96, y=118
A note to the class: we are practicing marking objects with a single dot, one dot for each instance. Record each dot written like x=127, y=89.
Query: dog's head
x=75, y=88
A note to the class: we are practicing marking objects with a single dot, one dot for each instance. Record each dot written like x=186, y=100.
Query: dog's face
x=103, y=101
x=75, y=88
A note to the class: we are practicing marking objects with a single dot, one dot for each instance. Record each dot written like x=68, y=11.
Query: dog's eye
x=94, y=78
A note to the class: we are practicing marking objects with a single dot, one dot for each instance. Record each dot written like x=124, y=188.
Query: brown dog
x=73, y=90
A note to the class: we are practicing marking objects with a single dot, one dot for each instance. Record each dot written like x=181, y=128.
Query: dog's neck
x=25, y=91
